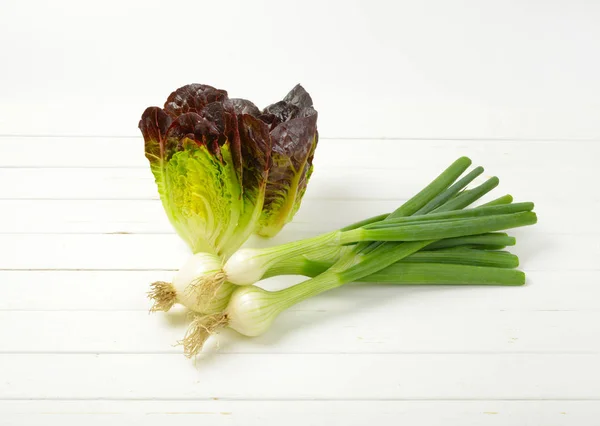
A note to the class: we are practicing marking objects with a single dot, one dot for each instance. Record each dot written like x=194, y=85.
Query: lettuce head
x=225, y=169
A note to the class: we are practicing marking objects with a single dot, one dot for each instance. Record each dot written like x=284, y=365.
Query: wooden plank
x=546, y=290
x=148, y=217
x=74, y=152
x=384, y=327
x=329, y=183
x=303, y=376
x=536, y=250
x=300, y=413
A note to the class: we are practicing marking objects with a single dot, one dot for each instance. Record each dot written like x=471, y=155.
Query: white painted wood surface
x=510, y=69
x=402, y=88
x=83, y=234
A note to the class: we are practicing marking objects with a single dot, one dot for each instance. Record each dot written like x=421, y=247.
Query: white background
x=402, y=88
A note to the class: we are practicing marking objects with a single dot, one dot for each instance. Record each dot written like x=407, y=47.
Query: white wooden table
x=83, y=235
x=513, y=84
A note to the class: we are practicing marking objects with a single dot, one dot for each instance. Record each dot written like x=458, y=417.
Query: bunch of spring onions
x=433, y=238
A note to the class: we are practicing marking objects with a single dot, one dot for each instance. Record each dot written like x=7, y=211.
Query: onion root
x=163, y=294
x=200, y=329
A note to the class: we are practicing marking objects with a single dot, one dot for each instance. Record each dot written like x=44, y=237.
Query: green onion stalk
x=204, y=283
x=309, y=267
x=390, y=249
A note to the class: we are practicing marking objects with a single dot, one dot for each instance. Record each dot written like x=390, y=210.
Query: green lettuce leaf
x=294, y=136
x=255, y=146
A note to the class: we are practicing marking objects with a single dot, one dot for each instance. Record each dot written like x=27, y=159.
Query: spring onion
x=211, y=285
x=384, y=244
